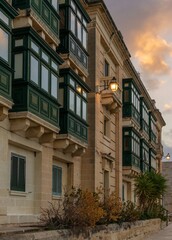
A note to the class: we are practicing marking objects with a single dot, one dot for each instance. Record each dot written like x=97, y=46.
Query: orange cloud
x=152, y=53
x=168, y=108
x=145, y=25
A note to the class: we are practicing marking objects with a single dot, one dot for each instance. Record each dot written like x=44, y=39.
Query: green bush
x=156, y=211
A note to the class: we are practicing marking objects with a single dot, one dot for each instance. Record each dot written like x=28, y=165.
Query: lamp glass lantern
x=167, y=156
x=113, y=85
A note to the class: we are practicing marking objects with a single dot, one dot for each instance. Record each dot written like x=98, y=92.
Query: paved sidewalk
x=164, y=234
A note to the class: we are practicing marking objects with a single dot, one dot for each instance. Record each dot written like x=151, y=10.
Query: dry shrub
x=112, y=207
x=79, y=208
x=82, y=208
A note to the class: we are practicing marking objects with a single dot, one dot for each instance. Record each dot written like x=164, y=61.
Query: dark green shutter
x=57, y=180
x=21, y=178
x=14, y=171
x=17, y=173
x=54, y=180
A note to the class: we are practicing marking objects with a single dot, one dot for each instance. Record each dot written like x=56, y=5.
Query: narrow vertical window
x=106, y=69
x=106, y=125
x=57, y=180
x=17, y=173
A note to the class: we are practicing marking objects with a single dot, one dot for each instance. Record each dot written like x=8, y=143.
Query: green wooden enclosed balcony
x=145, y=167
x=131, y=164
x=73, y=114
x=7, y=13
x=42, y=15
x=36, y=78
x=73, y=34
x=131, y=151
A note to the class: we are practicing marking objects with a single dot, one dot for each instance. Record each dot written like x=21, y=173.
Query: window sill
x=54, y=197
x=17, y=193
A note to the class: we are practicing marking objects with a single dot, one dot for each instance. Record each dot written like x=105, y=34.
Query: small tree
x=149, y=188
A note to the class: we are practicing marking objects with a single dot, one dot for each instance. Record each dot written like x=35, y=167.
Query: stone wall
x=126, y=231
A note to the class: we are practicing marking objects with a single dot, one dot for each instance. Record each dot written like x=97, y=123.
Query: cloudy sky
x=147, y=31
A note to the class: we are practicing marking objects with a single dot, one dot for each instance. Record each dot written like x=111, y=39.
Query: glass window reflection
x=4, y=45
x=54, y=85
x=44, y=78
x=34, y=70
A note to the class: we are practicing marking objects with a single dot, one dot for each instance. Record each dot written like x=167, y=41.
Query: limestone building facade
x=61, y=125
x=43, y=102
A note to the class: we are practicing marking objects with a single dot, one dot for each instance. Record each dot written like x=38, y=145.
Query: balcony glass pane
x=35, y=47
x=54, y=85
x=71, y=100
x=4, y=43
x=55, y=4
x=18, y=42
x=84, y=94
x=84, y=23
x=18, y=65
x=73, y=5
x=79, y=31
x=72, y=22
x=84, y=38
x=54, y=66
x=78, y=14
x=4, y=18
x=78, y=106
x=45, y=57
x=84, y=110
x=44, y=78
x=34, y=69
x=72, y=83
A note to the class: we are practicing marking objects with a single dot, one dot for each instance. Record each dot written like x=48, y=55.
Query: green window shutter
x=17, y=173
x=54, y=180
x=14, y=170
x=21, y=180
x=57, y=180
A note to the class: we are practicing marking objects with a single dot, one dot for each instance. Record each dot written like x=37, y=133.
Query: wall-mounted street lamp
x=108, y=84
x=167, y=157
